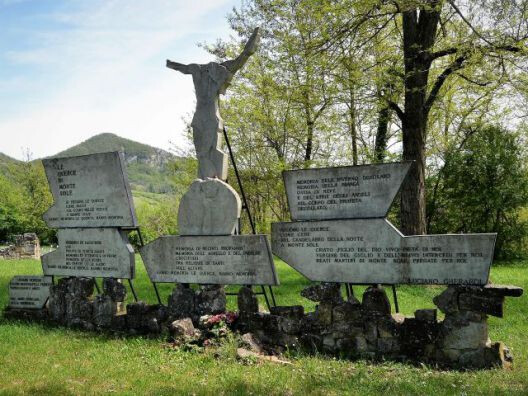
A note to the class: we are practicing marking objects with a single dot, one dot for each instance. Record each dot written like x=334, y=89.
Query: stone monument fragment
x=231, y=259
x=89, y=191
x=92, y=207
x=374, y=251
x=207, y=251
x=209, y=207
x=91, y=252
x=347, y=192
x=362, y=246
x=211, y=80
x=29, y=292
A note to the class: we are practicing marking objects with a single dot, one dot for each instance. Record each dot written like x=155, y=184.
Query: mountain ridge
x=148, y=167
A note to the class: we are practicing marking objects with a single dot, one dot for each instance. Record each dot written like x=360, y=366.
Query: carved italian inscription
x=89, y=191
x=91, y=252
x=345, y=192
x=29, y=292
x=373, y=251
x=233, y=259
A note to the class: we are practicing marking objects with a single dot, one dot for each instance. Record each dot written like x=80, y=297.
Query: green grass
x=37, y=359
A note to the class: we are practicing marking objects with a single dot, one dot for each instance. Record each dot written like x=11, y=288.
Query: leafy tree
x=482, y=188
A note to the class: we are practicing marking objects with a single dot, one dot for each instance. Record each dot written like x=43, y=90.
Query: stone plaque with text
x=226, y=260
x=89, y=191
x=29, y=292
x=374, y=251
x=348, y=192
x=91, y=252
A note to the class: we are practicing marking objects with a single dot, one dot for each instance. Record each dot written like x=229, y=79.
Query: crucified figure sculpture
x=211, y=80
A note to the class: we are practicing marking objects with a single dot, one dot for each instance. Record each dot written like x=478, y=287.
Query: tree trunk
x=419, y=32
x=309, y=143
x=353, y=129
x=381, y=133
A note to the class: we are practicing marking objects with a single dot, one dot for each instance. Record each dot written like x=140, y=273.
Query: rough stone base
x=350, y=329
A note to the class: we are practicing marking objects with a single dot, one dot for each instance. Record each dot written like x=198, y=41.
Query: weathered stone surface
x=211, y=80
x=387, y=327
x=211, y=300
x=80, y=287
x=251, y=342
x=427, y=315
x=29, y=292
x=324, y=313
x=495, y=355
x=388, y=345
x=104, y=310
x=247, y=300
x=457, y=332
x=447, y=301
x=343, y=192
x=57, y=302
x=479, y=302
x=375, y=301
x=504, y=290
x=77, y=309
x=114, y=289
x=182, y=302
x=182, y=328
x=145, y=318
x=325, y=291
x=209, y=207
x=416, y=335
x=291, y=311
x=373, y=251
x=89, y=191
x=347, y=312
x=91, y=252
x=234, y=259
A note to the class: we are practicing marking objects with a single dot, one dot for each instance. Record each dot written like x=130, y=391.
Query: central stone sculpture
x=211, y=80
x=207, y=251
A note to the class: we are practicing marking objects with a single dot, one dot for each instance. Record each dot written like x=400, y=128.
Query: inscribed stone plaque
x=226, y=260
x=91, y=252
x=345, y=192
x=29, y=292
x=89, y=191
x=373, y=251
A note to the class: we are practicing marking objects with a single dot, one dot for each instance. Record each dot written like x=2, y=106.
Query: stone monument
x=207, y=252
x=93, y=210
x=348, y=239
x=211, y=80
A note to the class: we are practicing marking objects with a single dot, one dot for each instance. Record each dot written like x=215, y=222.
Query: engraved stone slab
x=225, y=260
x=91, y=252
x=89, y=191
x=29, y=292
x=345, y=192
x=373, y=251
x=209, y=207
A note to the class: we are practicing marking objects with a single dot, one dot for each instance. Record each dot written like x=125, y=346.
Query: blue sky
x=72, y=69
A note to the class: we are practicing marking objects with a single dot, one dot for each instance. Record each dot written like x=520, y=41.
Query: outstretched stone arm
x=185, y=69
x=249, y=49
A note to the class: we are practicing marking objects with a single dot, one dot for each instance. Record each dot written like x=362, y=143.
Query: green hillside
x=148, y=167
x=5, y=162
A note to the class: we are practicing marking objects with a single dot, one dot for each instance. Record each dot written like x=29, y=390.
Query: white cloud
x=112, y=74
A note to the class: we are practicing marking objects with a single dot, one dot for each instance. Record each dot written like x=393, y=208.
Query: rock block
x=247, y=300
x=115, y=289
x=324, y=292
x=426, y=315
x=375, y=301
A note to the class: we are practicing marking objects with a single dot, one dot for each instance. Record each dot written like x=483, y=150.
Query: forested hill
x=147, y=166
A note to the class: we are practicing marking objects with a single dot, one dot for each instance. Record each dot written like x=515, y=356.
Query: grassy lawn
x=39, y=359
